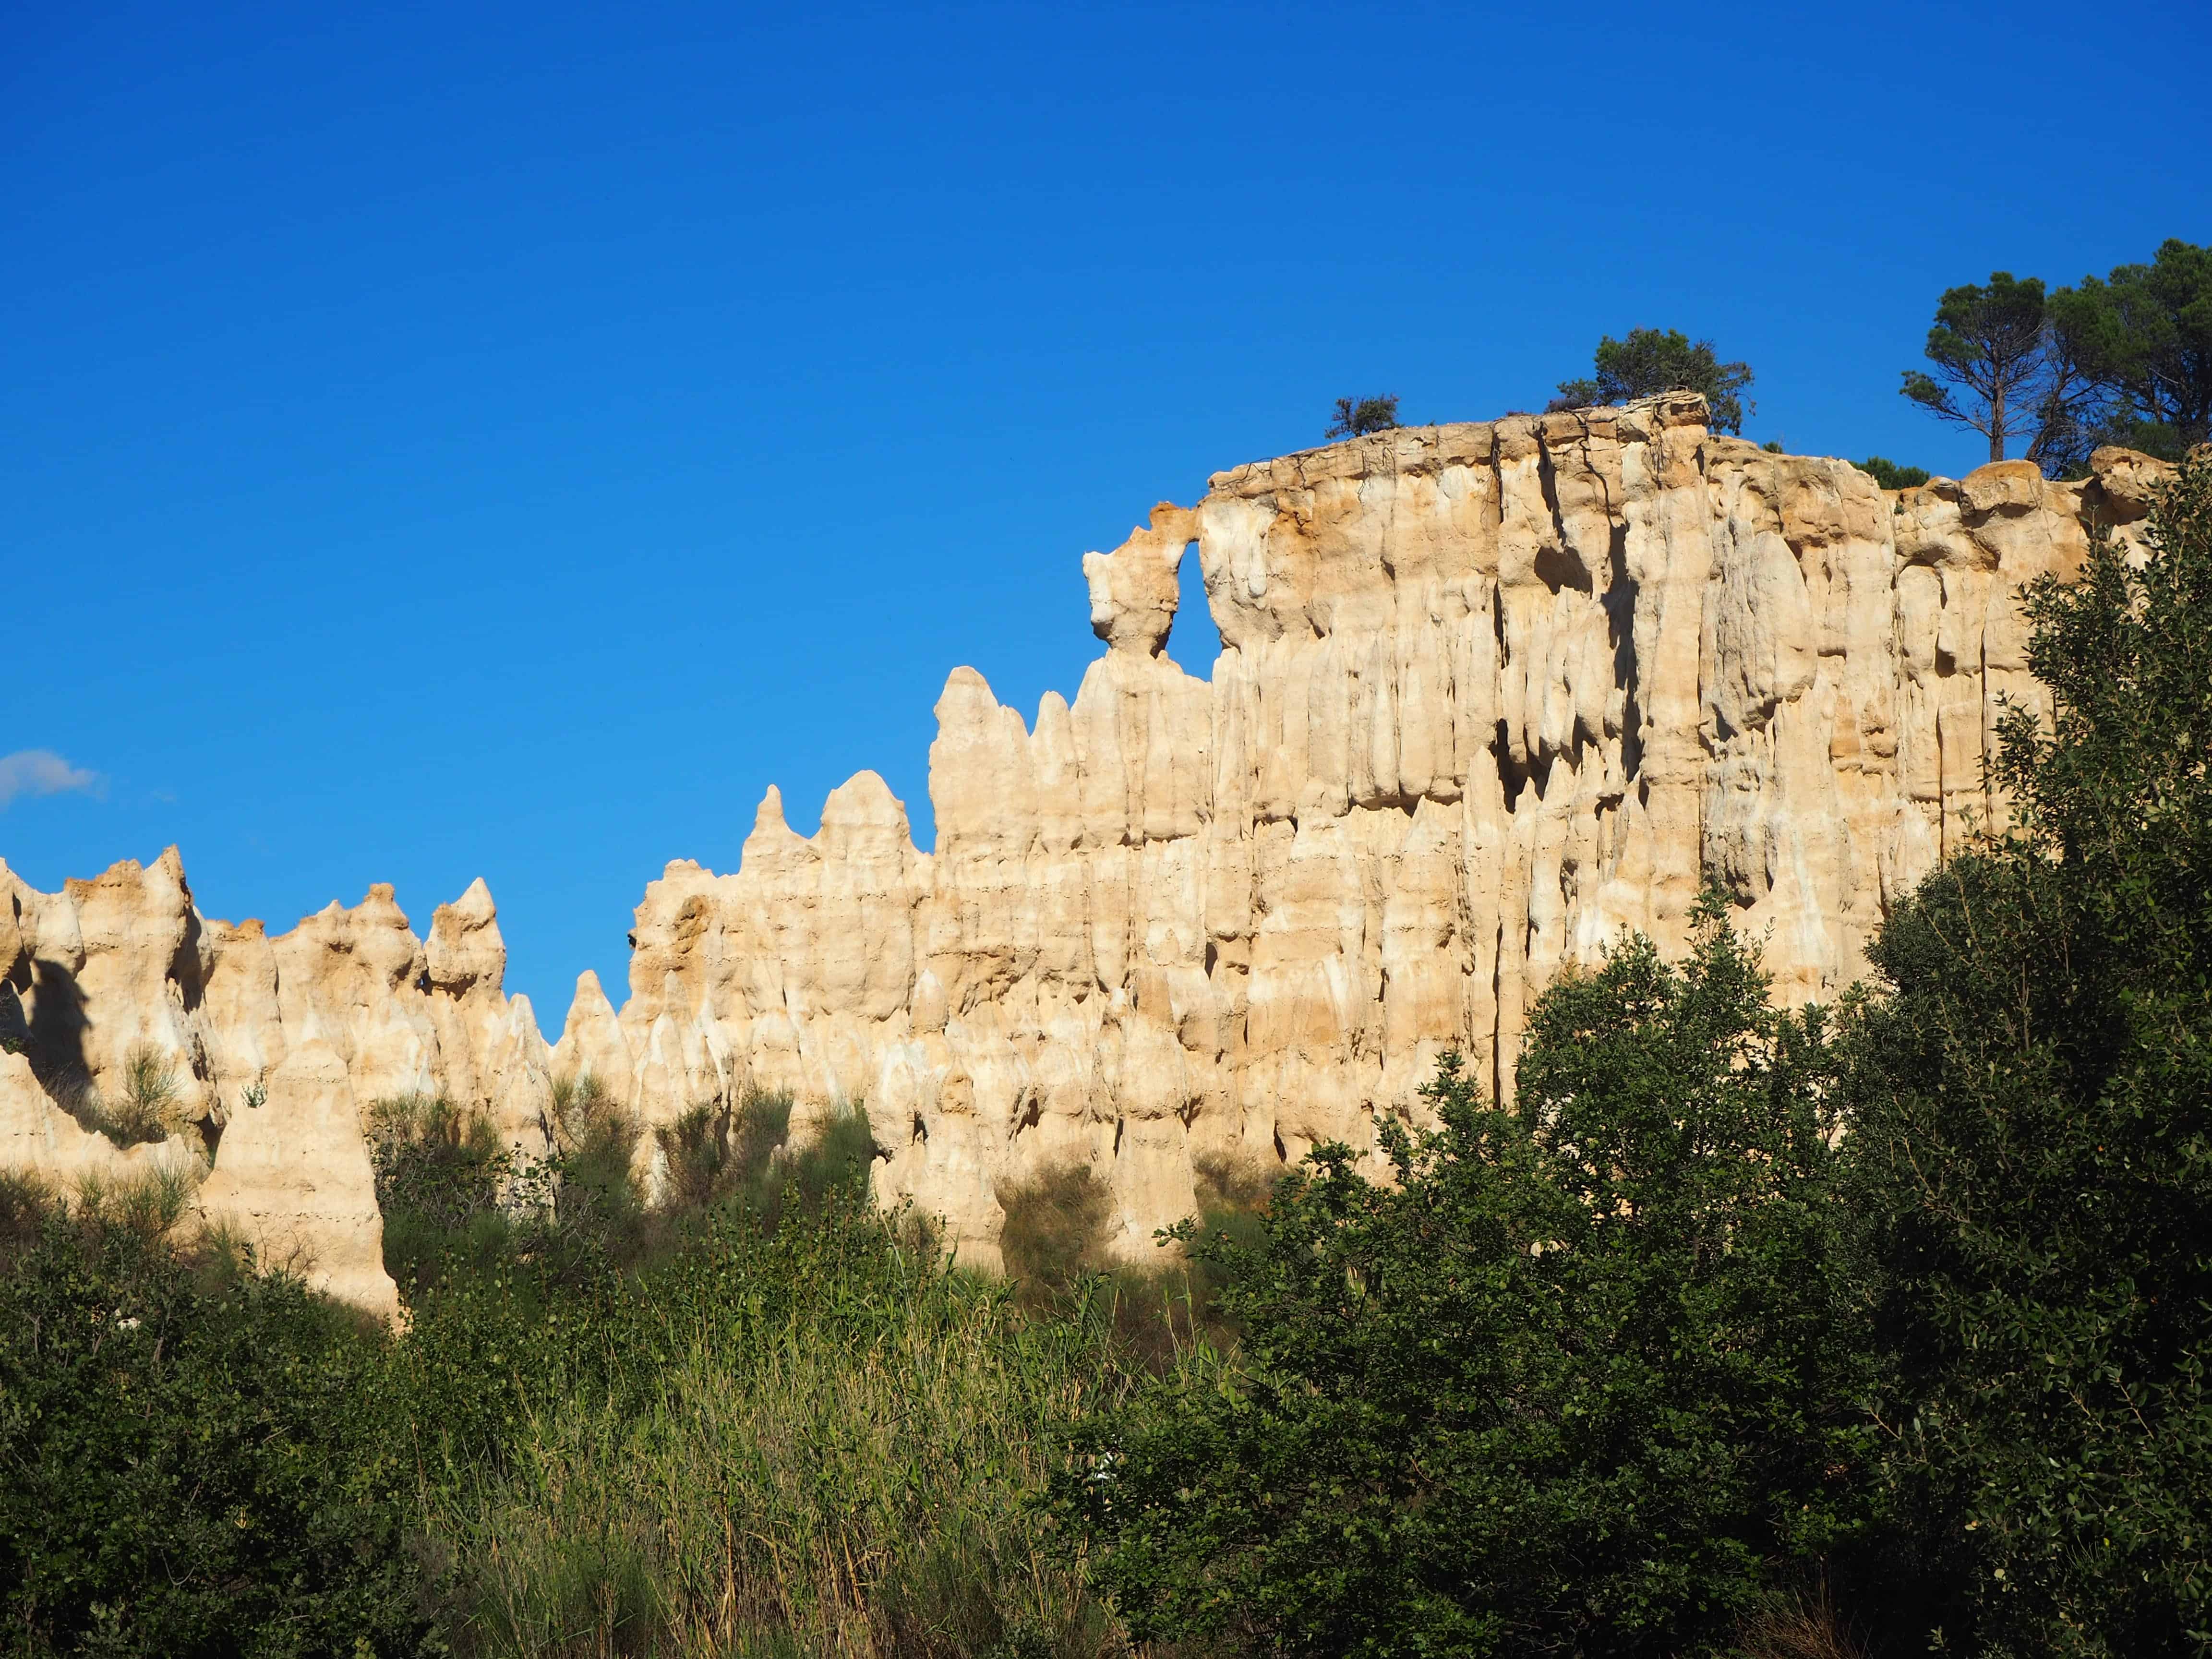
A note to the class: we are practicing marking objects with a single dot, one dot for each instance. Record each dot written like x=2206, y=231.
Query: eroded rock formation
x=268, y=1048
x=1486, y=695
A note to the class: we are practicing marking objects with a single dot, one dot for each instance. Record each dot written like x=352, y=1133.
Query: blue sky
x=474, y=440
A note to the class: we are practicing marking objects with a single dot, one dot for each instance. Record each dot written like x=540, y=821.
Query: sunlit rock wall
x=273, y=1048
x=1485, y=696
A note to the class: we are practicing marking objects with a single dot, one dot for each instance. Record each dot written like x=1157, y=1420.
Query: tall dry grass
x=853, y=1480
x=755, y=1417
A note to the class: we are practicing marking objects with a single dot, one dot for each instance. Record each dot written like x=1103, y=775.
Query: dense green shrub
x=1356, y=418
x=1651, y=360
x=447, y=1187
x=190, y=1460
x=1579, y=1378
x=1055, y=1229
x=1890, y=475
x=1055, y=1248
x=2036, y=1146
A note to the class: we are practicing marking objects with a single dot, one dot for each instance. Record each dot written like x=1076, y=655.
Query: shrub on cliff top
x=1892, y=476
x=1651, y=360
x=1358, y=417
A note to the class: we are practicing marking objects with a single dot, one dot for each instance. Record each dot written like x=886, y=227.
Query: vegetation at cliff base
x=193, y=1454
x=1578, y=1376
x=752, y=1415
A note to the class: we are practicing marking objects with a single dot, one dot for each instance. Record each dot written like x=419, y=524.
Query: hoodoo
x=1485, y=696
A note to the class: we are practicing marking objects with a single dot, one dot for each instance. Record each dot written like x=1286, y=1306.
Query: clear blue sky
x=451, y=440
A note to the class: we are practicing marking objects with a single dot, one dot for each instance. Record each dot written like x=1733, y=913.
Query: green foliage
x=2036, y=1146
x=2126, y=360
x=1053, y=1246
x=1651, y=360
x=1990, y=353
x=2143, y=337
x=1358, y=417
x=191, y=1452
x=1890, y=476
x=1579, y=1377
x=593, y=1171
x=440, y=1176
x=816, y=1440
x=756, y=1416
x=150, y=1106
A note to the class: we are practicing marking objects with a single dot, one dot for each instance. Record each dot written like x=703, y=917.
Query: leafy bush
x=191, y=1448
x=1651, y=360
x=441, y=1176
x=1890, y=476
x=2036, y=1146
x=1161, y=1313
x=1054, y=1228
x=1580, y=1376
x=593, y=1168
x=1356, y=417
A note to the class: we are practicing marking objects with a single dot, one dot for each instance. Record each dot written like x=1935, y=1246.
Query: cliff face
x=273, y=1046
x=1486, y=695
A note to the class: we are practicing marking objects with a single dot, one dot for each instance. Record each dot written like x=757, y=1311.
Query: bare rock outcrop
x=1482, y=698
x=268, y=1050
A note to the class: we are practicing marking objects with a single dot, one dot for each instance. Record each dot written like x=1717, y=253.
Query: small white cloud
x=41, y=772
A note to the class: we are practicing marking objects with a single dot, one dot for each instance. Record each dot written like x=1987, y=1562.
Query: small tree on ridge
x=1358, y=417
x=1651, y=360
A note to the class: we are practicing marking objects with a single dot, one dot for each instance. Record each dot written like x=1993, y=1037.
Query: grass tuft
x=1054, y=1230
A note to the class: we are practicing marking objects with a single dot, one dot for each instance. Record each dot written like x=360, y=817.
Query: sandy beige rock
x=1485, y=697
x=276, y=1048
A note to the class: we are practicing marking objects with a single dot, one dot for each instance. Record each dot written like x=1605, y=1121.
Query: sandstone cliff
x=271, y=1048
x=1486, y=696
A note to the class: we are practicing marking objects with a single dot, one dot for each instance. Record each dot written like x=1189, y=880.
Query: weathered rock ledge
x=1486, y=695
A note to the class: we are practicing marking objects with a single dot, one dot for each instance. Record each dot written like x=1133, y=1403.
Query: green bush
x=1579, y=1377
x=1055, y=1229
x=1651, y=360
x=1891, y=476
x=2035, y=1147
x=445, y=1184
x=191, y=1448
x=1356, y=418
